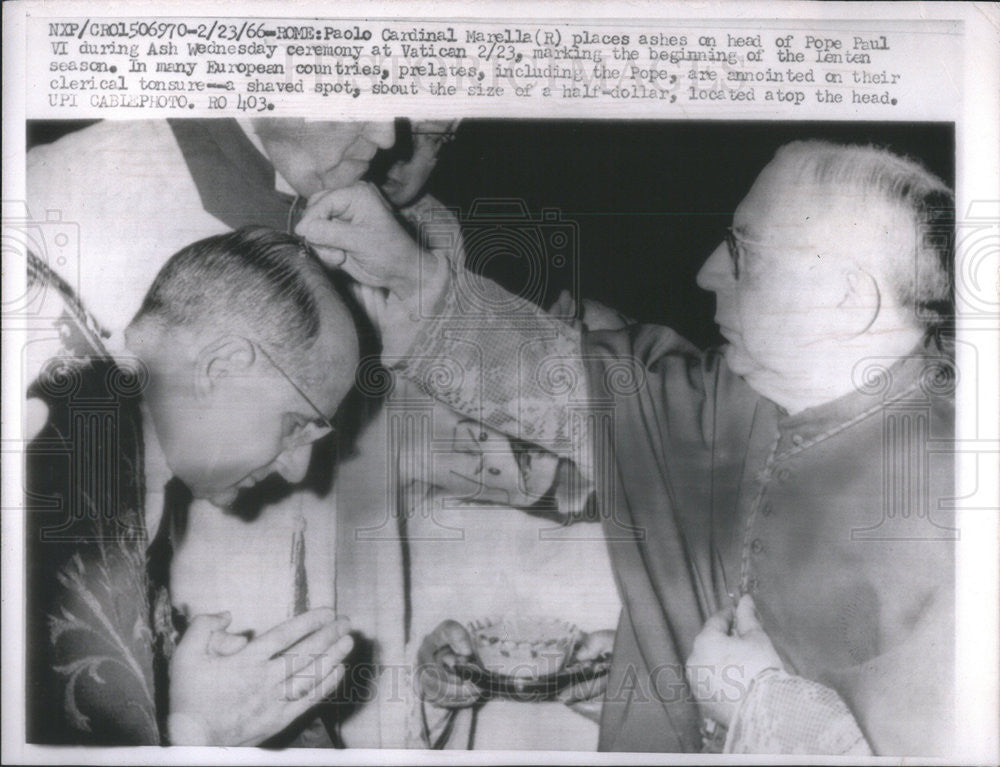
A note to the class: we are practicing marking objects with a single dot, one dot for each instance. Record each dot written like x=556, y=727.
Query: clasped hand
x=226, y=690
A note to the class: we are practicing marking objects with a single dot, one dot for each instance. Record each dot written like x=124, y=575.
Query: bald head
x=250, y=350
x=262, y=284
x=893, y=202
x=837, y=253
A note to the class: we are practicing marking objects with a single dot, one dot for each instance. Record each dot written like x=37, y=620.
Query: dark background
x=647, y=201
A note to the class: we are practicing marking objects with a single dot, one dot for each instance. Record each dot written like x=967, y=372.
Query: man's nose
x=381, y=134
x=716, y=273
x=294, y=463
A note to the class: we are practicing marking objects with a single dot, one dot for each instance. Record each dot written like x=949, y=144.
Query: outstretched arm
x=490, y=356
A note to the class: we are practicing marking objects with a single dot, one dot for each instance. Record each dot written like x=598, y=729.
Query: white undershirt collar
x=157, y=474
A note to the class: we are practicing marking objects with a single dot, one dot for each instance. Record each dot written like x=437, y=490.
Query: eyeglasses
x=446, y=131
x=735, y=251
x=322, y=421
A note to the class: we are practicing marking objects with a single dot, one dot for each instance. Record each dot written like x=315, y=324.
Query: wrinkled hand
x=440, y=651
x=355, y=229
x=227, y=691
x=729, y=652
x=586, y=698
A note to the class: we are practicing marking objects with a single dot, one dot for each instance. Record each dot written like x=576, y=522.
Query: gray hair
x=921, y=273
x=255, y=281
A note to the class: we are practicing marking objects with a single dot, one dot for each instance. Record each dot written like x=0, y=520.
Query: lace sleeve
x=784, y=714
x=494, y=358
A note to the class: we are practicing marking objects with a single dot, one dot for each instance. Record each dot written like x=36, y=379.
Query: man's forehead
x=773, y=192
x=783, y=198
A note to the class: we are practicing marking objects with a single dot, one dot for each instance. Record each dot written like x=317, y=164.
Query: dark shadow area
x=646, y=201
x=650, y=200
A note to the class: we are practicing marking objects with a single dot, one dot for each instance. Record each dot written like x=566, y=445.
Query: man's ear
x=221, y=358
x=862, y=298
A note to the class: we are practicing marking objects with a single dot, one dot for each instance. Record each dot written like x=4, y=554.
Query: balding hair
x=920, y=271
x=254, y=282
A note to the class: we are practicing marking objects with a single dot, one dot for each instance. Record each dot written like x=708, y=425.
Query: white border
x=978, y=171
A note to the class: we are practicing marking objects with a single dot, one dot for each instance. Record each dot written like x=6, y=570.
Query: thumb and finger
x=202, y=628
x=294, y=630
x=329, y=234
x=346, y=204
x=749, y=628
x=331, y=203
x=338, y=245
x=327, y=224
x=328, y=645
x=224, y=643
x=448, y=640
x=747, y=620
x=331, y=257
x=441, y=688
x=720, y=622
x=564, y=305
x=305, y=674
x=455, y=635
x=595, y=645
x=438, y=655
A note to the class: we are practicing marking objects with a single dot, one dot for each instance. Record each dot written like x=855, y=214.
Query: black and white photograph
x=543, y=435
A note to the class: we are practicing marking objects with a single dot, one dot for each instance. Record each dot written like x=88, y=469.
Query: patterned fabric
x=477, y=322
x=469, y=480
x=834, y=518
x=124, y=187
x=97, y=630
x=785, y=714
